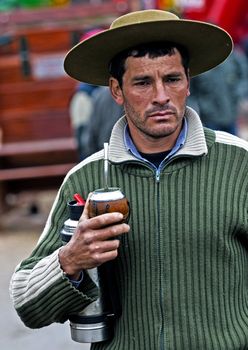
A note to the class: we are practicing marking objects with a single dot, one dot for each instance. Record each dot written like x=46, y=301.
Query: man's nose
x=161, y=94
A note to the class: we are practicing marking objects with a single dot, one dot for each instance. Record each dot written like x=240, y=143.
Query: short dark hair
x=157, y=49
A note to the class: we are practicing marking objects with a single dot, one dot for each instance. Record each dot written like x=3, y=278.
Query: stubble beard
x=162, y=130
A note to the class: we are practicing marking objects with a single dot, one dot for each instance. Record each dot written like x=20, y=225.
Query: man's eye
x=142, y=83
x=173, y=79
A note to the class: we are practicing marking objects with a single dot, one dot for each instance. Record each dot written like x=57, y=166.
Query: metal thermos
x=95, y=322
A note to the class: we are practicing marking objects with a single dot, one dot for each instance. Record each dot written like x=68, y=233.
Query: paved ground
x=16, y=241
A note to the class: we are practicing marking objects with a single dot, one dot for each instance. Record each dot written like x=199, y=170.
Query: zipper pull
x=157, y=175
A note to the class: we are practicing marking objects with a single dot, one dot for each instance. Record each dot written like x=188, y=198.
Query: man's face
x=153, y=93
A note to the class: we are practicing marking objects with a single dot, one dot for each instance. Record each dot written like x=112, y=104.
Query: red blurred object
x=230, y=15
x=79, y=199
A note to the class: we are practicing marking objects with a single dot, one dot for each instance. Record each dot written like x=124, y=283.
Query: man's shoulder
x=95, y=157
x=232, y=140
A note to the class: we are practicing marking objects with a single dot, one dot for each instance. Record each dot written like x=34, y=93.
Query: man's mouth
x=164, y=112
x=161, y=115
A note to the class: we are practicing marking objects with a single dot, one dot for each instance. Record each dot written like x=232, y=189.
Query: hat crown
x=142, y=17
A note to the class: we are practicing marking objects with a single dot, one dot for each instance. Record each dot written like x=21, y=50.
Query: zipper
x=161, y=340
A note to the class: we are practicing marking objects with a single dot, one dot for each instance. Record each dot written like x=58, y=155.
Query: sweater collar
x=195, y=143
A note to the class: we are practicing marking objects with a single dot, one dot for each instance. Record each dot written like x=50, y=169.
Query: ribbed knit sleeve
x=40, y=291
x=43, y=294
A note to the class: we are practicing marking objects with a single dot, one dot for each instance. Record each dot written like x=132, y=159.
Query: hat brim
x=207, y=45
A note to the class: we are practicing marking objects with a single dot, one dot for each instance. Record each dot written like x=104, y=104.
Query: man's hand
x=93, y=243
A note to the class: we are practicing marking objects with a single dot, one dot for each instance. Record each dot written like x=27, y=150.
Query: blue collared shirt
x=179, y=144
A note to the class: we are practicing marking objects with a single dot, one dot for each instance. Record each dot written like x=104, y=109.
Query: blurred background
x=38, y=133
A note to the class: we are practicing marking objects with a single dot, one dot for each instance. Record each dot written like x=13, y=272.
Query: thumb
x=85, y=214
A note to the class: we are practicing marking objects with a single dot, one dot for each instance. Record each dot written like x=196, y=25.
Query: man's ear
x=116, y=91
x=188, y=92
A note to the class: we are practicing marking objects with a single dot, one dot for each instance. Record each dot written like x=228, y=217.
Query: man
x=180, y=264
x=81, y=106
x=218, y=94
x=80, y=110
x=104, y=105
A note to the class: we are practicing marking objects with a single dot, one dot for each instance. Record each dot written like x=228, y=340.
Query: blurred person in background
x=244, y=45
x=218, y=94
x=104, y=115
x=80, y=110
x=81, y=106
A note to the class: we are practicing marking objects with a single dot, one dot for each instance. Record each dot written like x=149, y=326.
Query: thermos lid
x=75, y=210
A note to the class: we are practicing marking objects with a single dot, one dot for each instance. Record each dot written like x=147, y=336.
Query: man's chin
x=162, y=132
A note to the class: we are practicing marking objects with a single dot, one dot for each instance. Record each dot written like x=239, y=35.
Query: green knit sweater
x=182, y=270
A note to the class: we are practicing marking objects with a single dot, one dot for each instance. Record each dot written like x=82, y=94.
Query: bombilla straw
x=106, y=164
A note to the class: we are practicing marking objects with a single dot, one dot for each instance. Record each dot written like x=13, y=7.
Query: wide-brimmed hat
x=208, y=45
